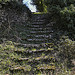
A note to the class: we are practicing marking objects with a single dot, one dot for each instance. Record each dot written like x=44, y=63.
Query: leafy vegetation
x=17, y=7
x=66, y=49
x=41, y=7
x=11, y=14
x=16, y=59
x=62, y=12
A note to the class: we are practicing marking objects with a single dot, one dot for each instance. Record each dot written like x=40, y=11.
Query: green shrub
x=67, y=17
x=66, y=49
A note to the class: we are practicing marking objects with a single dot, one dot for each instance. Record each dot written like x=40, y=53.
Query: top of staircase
x=39, y=12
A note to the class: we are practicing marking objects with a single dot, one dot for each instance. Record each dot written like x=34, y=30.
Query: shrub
x=66, y=49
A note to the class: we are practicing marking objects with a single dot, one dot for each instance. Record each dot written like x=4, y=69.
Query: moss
x=25, y=68
x=7, y=56
x=33, y=49
x=39, y=12
x=45, y=67
x=50, y=49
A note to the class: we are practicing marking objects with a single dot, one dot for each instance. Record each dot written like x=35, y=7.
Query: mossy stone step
x=49, y=44
x=30, y=40
x=46, y=67
x=38, y=41
x=40, y=26
x=42, y=45
x=40, y=36
x=37, y=59
x=37, y=32
x=39, y=16
x=35, y=51
x=34, y=39
x=23, y=59
x=51, y=58
x=29, y=45
x=37, y=46
x=33, y=42
x=20, y=68
x=39, y=29
x=37, y=22
x=40, y=33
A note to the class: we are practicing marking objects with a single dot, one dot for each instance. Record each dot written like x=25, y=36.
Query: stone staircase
x=34, y=60
x=38, y=56
x=39, y=31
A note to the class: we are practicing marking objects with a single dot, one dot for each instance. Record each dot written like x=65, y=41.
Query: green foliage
x=10, y=0
x=7, y=56
x=18, y=7
x=7, y=46
x=9, y=28
x=66, y=49
x=15, y=5
x=61, y=3
x=40, y=5
x=4, y=0
x=68, y=17
x=63, y=11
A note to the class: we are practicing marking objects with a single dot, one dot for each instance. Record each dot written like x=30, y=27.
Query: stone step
x=39, y=16
x=20, y=68
x=49, y=44
x=34, y=45
x=40, y=26
x=38, y=20
x=46, y=67
x=42, y=58
x=40, y=29
x=47, y=58
x=22, y=59
x=37, y=32
x=39, y=36
x=49, y=33
x=37, y=40
x=36, y=23
x=34, y=51
x=30, y=45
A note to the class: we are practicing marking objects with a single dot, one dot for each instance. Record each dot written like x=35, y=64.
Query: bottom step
x=21, y=68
